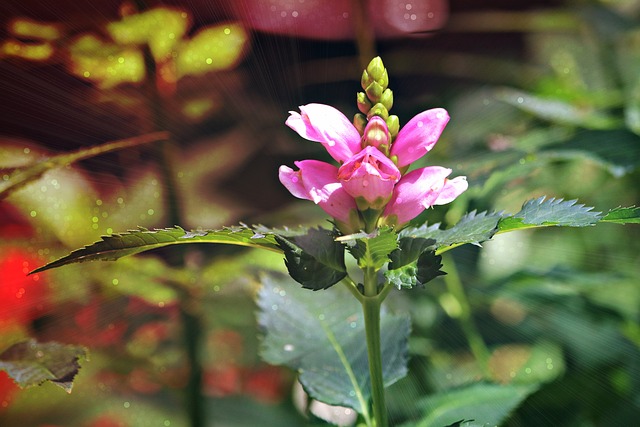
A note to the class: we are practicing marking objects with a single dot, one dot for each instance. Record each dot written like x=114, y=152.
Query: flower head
x=370, y=186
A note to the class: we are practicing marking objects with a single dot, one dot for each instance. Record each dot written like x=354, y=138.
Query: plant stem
x=365, y=37
x=371, y=304
x=193, y=332
x=471, y=333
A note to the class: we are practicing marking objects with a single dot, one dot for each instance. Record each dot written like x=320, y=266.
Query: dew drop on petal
x=365, y=183
x=420, y=124
x=399, y=200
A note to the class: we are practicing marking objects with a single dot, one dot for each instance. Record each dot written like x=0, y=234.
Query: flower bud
x=378, y=110
x=365, y=80
x=393, y=123
x=387, y=98
x=377, y=72
x=364, y=105
x=360, y=122
x=377, y=135
x=374, y=92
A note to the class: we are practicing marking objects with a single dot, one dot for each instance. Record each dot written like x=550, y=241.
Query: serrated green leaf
x=372, y=250
x=31, y=363
x=321, y=335
x=115, y=246
x=409, y=249
x=15, y=178
x=620, y=215
x=549, y=212
x=315, y=259
x=485, y=404
x=472, y=228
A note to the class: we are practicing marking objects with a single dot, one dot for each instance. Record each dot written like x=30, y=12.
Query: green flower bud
x=384, y=79
x=393, y=123
x=374, y=91
x=378, y=110
x=365, y=80
x=364, y=105
x=377, y=72
x=360, y=122
x=387, y=99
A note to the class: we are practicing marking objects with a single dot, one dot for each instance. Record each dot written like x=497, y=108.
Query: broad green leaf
x=132, y=242
x=558, y=111
x=485, y=404
x=372, y=250
x=409, y=249
x=549, y=212
x=321, y=335
x=315, y=259
x=211, y=49
x=619, y=215
x=15, y=178
x=32, y=363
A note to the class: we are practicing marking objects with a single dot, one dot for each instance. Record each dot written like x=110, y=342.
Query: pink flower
x=368, y=178
x=418, y=137
x=369, y=175
x=419, y=190
x=318, y=181
x=328, y=126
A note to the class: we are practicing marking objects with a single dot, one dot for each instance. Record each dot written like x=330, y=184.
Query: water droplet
x=353, y=324
x=321, y=316
x=520, y=100
x=126, y=405
x=331, y=143
x=274, y=307
x=420, y=124
x=399, y=200
x=288, y=347
x=365, y=183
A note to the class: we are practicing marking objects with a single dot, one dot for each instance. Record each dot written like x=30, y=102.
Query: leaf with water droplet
x=31, y=363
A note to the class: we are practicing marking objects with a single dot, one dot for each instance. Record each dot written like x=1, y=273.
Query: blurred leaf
x=31, y=363
x=31, y=51
x=315, y=259
x=161, y=28
x=211, y=49
x=32, y=29
x=15, y=178
x=322, y=336
x=620, y=215
x=485, y=404
x=372, y=250
x=104, y=63
x=558, y=111
x=115, y=246
x=541, y=212
x=527, y=364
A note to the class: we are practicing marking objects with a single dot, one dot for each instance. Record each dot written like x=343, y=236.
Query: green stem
x=365, y=37
x=193, y=335
x=371, y=304
x=464, y=317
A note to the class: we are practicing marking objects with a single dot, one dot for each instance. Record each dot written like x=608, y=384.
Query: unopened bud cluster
x=375, y=101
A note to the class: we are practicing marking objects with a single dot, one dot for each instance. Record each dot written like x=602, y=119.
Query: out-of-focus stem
x=464, y=317
x=365, y=36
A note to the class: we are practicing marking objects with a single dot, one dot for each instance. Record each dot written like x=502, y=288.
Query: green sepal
x=315, y=260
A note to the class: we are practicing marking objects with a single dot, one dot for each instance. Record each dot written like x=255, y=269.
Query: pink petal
x=416, y=191
x=418, y=137
x=318, y=181
x=328, y=126
x=370, y=175
x=452, y=189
